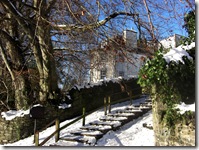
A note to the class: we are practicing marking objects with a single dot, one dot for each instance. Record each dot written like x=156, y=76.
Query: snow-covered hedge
x=170, y=77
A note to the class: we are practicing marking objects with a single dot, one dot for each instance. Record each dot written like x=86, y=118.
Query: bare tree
x=60, y=33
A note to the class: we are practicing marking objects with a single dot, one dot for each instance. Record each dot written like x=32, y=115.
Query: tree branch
x=2, y=50
x=92, y=25
x=150, y=21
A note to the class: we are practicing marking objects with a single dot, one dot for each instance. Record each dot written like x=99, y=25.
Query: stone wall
x=180, y=134
x=91, y=98
x=22, y=127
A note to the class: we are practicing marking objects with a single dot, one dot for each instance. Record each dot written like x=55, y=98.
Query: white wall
x=172, y=41
x=130, y=68
x=113, y=67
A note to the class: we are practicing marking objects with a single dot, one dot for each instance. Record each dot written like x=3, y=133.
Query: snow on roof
x=176, y=54
x=185, y=107
x=11, y=114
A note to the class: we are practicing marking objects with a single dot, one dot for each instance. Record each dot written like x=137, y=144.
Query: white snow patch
x=176, y=54
x=11, y=114
x=64, y=106
x=185, y=107
x=37, y=105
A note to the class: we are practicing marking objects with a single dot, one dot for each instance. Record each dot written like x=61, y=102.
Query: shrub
x=174, y=81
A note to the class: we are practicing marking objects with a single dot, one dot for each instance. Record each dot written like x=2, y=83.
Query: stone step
x=132, y=107
x=128, y=115
x=108, y=118
x=101, y=128
x=70, y=142
x=136, y=106
x=123, y=120
x=136, y=113
x=113, y=124
x=148, y=100
x=78, y=138
x=96, y=134
x=145, y=108
x=147, y=104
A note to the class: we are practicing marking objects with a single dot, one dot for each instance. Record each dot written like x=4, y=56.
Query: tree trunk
x=17, y=67
x=22, y=92
x=48, y=75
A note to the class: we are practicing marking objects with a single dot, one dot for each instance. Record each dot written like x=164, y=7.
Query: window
x=121, y=73
x=102, y=74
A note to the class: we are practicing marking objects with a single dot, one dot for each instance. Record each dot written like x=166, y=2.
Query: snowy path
x=131, y=134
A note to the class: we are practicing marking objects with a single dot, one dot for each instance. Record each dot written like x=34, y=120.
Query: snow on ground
x=185, y=107
x=131, y=134
x=11, y=114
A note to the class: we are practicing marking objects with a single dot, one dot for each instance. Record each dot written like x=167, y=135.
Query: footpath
x=93, y=131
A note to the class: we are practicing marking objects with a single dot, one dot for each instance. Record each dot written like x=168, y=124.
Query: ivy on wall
x=173, y=82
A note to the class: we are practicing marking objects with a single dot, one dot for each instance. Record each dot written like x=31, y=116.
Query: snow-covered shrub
x=170, y=77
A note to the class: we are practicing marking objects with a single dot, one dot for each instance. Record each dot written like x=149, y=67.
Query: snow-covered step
x=68, y=143
x=123, y=120
x=101, y=128
x=108, y=118
x=125, y=111
x=96, y=134
x=78, y=138
x=148, y=100
x=113, y=124
x=147, y=104
x=128, y=115
x=133, y=107
x=145, y=108
x=136, y=113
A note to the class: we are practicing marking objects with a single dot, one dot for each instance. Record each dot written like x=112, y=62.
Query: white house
x=118, y=56
x=172, y=41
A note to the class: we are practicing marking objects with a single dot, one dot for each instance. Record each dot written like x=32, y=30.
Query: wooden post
x=35, y=129
x=36, y=138
x=105, y=106
x=57, y=123
x=83, y=115
x=109, y=104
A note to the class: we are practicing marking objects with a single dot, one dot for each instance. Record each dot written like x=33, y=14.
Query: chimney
x=130, y=38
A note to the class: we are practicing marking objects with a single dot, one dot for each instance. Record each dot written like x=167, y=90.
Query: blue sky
x=167, y=16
